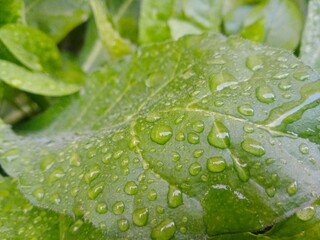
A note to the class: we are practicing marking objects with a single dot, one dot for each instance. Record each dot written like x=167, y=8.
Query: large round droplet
x=140, y=216
x=216, y=164
x=174, y=196
x=193, y=138
x=164, y=231
x=253, y=147
x=198, y=126
x=292, y=188
x=118, y=207
x=161, y=134
x=152, y=195
x=101, y=208
x=95, y=190
x=306, y=214
x=123, y=224
x=195, y=168
x=254, y=62
x=265, y=94
x=219, y=136
x=246, y=110
x=131, y=188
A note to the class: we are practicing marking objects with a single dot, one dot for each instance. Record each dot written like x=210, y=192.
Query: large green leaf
x=310, y=50
x=20, y=220
x=56, y=18
x=186, y=139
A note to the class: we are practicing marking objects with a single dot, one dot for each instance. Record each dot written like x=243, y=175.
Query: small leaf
x=37, y=83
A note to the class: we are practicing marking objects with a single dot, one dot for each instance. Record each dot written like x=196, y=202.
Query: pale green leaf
x=187, y=136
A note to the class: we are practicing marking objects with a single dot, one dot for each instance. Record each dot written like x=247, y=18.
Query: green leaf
x=310, y=50
x=19, y=219
x=56, y=18
x=276, y=23
x=164, y=20
x=111, y=39
x=11, y=12
x=38, y=83
x=31, y=48
x=185, y=139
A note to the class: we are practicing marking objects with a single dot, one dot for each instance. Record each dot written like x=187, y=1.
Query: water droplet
x=198, y=153
x=74, y=191
x=306, y=214
x=218, y=103
x=140, y=216
x=92, y=174
x=91, y=153
x=284, y=85
x=195, y=168
x=241, y=168
x=254, y=62
x=304, y=149
x=248, y=128
x=75, y=159
x=292, y=188
x=193, y=138
x=178, y=167
x=78, y=210
x=118, y=154
x=55, y=198
x=47, y=162
x=152, y=195
x=118, y=207
x=216, y=164
x=271, y=191
x=253, y=147
x=198, y=126
x=174, y=197
x=180, y=136
x=152, y=117
x=280, y=76
x=219, y=136
x=246, y=110
x=56, y=175
x=221, y=80
x=175, y=156
x=265, y=94
x=38, y=193
x=179, y=119
x=165, y=230
x=101, y=208
x=269, y=161
x=95, y=190
x=123, y=224
x=301, y=76
x=161, y=134
x=74, y=228
x=131, y=188
x=107, y=158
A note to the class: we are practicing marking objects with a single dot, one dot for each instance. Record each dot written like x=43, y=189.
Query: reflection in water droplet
x=265, y=94
x=101, y=208
x=219, y=136
x=216, y=164
x=131, y=188
x=174, y=196
x=292, y=188
x=165, y=230
x=254, y=62
x=195, y=168
x=180, y=136
x=123, y=224
x=193, y=138
x=140, y=216
x=252, y=146
x=246, y=110
x=118, y=207
x=161, y=134
x=306, y=214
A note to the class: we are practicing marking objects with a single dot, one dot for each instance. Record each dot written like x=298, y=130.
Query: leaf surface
x=187, y=136
x=11, y=12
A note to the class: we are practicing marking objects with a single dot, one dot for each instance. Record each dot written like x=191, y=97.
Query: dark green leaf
x=200, y=150
x=11, y=11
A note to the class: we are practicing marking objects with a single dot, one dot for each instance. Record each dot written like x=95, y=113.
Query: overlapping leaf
x=187, y=138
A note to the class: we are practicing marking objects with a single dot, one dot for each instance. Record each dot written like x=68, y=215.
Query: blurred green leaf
x=11, y=12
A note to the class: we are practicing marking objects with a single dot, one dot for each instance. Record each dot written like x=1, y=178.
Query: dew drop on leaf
x=304, y=149
x=246, y=110
x=193, y=138
x=161, y=134
x=152, y=195
x=253, y=147
x=198, y=126
x=198, y=153
x=131, y=188
x=75, y=159
x=219, y=136
x=180, y=136
x=174, y=196
x=38, y=193
x=164, y=231
x=306, y=214
x=74, y=228
x=265, y=94
x=292, y=188
x=123, y=224
x=280, y=75
x=254, y=62
x=301, y=76
x=46, y=162
x=101, y=208
x=118, y=207
x=55, y=198
x=56, y=175
x=140, y=216
x=216, y=164
x=93, y=173
x=175, y=156
x=241, y=168
x=271, y=191
x=195, y=168
x=95, y=190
